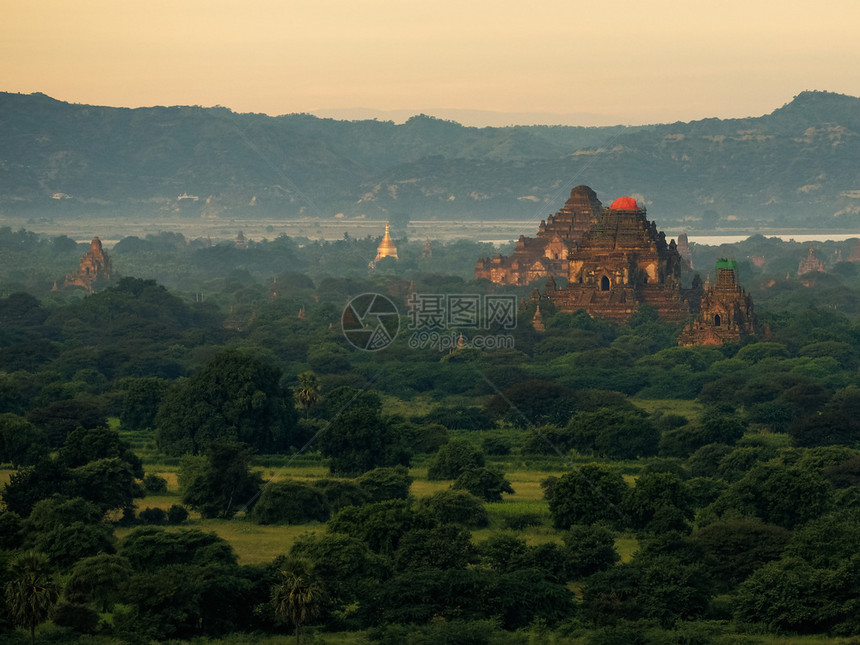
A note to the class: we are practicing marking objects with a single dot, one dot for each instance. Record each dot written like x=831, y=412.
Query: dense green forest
x=198, y=452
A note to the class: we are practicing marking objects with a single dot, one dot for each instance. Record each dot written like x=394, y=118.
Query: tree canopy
x=236, y=397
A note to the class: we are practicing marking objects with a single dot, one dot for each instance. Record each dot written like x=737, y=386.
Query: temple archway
x=717, y=320
x=604, y=283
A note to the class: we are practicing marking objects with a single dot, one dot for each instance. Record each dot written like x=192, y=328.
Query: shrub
x=787, y=496
x=547, y=439
x=659, y=502
x=736, y=547
x=704, y=491
x=453, y=458
x=446, y=546
x=427, y=438
x=716, y=426
x=152, y=516
x=460, y=418
x=361, y=439
x=473, y=632
x=520, y=521
x=177, y=514
x=66, y=544
x=386, y=483
x=78, y=618
x=11, y=530
x=154, y=484
x=495, y=446
x=148, y=548
x=589, y=549
x=667, y=465
x=457, y=507
x=380, y=525
x=290, y=502
x=340, y=494
x=484, y=483
x=591, y=494
x=705, y=461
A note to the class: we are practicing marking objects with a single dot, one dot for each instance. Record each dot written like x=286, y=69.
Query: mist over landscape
x=792, y=169
x=397, y=323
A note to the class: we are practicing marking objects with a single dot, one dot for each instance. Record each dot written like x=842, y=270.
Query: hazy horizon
x=465, y=117
x=490, y=63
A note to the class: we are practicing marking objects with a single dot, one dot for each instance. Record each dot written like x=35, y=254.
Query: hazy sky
x=624, y=61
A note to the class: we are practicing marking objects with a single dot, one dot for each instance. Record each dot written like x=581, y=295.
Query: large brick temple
x=615, y=260
x=620, y=263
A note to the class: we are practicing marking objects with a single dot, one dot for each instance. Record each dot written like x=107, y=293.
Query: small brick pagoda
x=95, y=269
x=810, y=264
x=726, y=311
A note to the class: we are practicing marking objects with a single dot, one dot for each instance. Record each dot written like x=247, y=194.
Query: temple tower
x=386, y=248
x=726, y=313
x=547, y=253
x=95, y=270
x=621, y=263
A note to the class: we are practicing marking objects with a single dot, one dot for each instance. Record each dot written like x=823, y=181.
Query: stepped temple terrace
x=546, y=254
x=620, y=263
x=615, y=260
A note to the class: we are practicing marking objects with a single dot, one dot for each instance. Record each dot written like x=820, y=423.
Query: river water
x=498, y=232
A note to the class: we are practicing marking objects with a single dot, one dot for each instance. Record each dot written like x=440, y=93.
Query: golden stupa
x=386, y=248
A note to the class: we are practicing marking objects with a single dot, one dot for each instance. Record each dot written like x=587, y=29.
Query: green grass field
x=259, y=544
x=255, y=543
x=686, y=408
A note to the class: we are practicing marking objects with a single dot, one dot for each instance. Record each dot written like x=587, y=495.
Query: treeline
x=219, y=271
x=244, y=279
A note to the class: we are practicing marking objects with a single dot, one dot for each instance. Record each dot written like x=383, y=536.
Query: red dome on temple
x=624, y=204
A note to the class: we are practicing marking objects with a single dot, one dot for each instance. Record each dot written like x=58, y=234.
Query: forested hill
x=796, y=167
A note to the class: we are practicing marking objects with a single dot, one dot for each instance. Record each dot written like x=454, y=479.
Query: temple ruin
x=95, y=269
x=725, y=311
x=547, y=254
x=620, y=263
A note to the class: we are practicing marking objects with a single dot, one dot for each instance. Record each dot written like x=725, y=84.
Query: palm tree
x=307, y=392
x=296, y=596
x=31, y=593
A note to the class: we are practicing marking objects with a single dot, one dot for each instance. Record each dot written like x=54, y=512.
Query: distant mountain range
x=480, y=118
x=797, y=167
